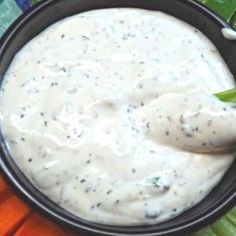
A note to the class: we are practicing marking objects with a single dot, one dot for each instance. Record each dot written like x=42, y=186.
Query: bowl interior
x=215, y=204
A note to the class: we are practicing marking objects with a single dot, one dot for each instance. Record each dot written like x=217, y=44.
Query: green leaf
x=225, y=8
x=35, y=1
x=224, y=227
x=227, y=96
x=205, y=232
x=233, y=20
x=231, y=216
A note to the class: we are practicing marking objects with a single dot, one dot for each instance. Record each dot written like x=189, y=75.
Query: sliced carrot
x=68, y=232
x=3, y=185
x=37, y=225
x=5, y=191
x=12, y=212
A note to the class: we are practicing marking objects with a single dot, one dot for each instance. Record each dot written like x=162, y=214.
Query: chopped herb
x=85, y=37
x=87, y=190
x=109, y=191
x=156, y=182
x=63, y=69
x=166, y=187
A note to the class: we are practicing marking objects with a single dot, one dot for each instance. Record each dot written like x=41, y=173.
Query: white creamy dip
x=109, y=113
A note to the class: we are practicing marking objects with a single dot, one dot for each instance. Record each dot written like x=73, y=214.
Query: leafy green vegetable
x=233, y=20
x=35, y=1
x=205, y=232
x=231, y=216
x=225, y=8
x=227, y=96
x=224, y=227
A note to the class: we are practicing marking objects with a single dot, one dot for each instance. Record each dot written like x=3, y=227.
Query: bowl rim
x=20, y=187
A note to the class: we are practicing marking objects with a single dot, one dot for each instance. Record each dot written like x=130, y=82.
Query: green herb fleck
x=156, y=182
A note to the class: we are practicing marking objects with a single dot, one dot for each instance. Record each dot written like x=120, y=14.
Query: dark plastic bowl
x=218, y=202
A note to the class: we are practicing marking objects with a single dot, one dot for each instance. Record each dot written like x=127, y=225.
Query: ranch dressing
x=109, y=113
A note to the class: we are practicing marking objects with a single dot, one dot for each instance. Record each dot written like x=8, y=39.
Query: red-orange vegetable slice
x=3, y=185
x=12, y=212
x=71, y=233
x=37, y=225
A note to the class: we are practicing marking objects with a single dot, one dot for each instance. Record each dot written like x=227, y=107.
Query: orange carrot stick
x=3, y=185
x=37, y=225
x=12, y=212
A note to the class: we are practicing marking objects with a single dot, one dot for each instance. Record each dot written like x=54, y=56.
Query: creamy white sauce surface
x=110, y=114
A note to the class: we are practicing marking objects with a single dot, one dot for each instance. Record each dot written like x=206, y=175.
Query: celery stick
x=233, y=212
x=205, y=232
x=224, y=228
x=231, y=216
x=231, y=219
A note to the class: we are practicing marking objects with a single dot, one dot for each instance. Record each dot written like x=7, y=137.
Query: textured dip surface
x=110, y=114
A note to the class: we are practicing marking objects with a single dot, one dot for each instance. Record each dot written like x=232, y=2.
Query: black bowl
x=218, y=202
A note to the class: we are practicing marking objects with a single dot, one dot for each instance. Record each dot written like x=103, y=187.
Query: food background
x=17, y=218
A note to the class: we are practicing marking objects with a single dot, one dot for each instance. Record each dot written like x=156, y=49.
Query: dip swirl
x=109, y=113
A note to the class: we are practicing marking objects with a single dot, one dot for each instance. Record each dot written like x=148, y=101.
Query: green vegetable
x=227, y=96
x=224, y=227
x=233, y=20
x=225, y=8
x=35, y=1
x=205, y=232
x=231, y=216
